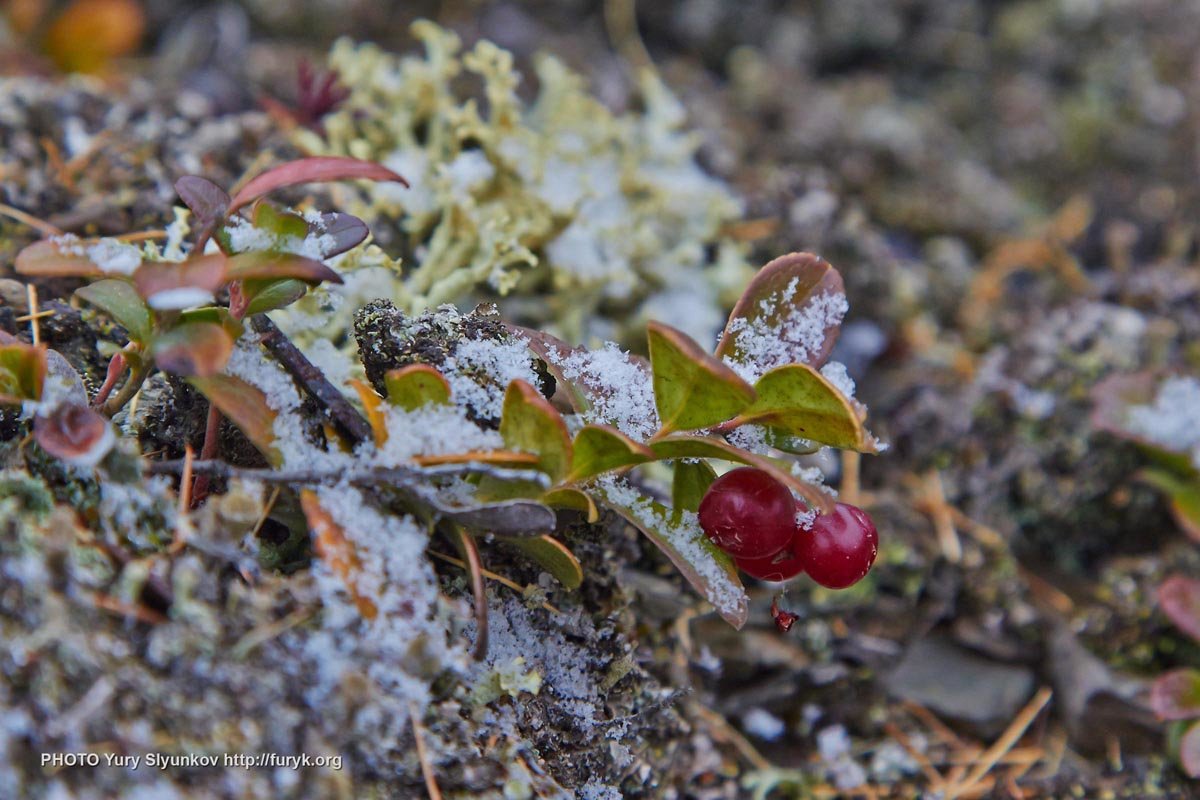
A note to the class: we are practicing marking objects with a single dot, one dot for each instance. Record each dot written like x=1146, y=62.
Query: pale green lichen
x=590, y=212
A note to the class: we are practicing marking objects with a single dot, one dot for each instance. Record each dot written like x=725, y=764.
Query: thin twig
x=368, y=476
x=41, y=226
x=422, y=754
x=131, y=387
x=185, y=501
x=487, y=573
x=345, y=418
x=34, y=328
x=1014, y=732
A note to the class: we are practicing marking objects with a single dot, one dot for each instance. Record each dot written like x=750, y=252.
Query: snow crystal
x=805, y=518
x=1172, y=420
x=595, y=790
x=751, y=438
x=501, y=361
x=620, y=390
x=763, y=724
x=764, y=343
x=835, y=373
x=467, y=171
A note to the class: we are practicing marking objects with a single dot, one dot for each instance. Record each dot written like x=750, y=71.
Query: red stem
x=116, y=366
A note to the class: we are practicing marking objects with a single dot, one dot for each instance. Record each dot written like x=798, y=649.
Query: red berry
x=748, y=514
x=840, y=547
x=784, y=620
x=782, y=566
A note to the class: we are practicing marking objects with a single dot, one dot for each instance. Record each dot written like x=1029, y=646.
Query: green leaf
x=692, y=479
x=691, y=388
x=710, y=571
x=1183, y=494
x=554, y=557
x=1179, y=598
x=799, y=400
x=213, y=315
x=600, y=448
x=195, y=348
x=1176, y=694
x=247, y=407
x=120, y=301
x=22, y=372
x=261, y=296
x=279, y=223
x=789, y=314
x=574, y=499
x=416, y=385
x=676, y=447
x=529, y=424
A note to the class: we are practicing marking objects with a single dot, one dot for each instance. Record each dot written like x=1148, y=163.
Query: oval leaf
x=57, y=258
x=554, y=557
x=207, y=201
x=676, y=447
x=574, y=499
x=710, y=571
x=416, y=385
x=789, y=314
x=195, y=348
x=1176, y=695
x=530, y=424
x=797, y=399
x=691, y=388
x=22, y=372
x=600, y=448
x=259, y=297
x=318, y=169
x=1189, y=751
x=691, y=481
x=259, y=265
x=120, y=301
x=246, y=406
x=1180, y=601
x=169, y=285
x=347, y=231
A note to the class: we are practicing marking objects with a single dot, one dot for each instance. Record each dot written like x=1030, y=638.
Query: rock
x=958, y=684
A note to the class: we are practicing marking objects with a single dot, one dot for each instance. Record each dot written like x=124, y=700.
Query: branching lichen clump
x=560, y=198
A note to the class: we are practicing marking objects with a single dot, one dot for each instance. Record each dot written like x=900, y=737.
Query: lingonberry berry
x=748, y=514
x=782, y=566
x=840, y=547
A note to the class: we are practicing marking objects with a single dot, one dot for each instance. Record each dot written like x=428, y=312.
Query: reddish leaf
x=169, y=285
x=784, y=310
x=1189, y=751
x=1180, y=601
x=57, y=258
x=260, y=265
x=1176, y=695
x=198, y=348
x=347, y=231
x=247, y=407
x=208, y=202
x=317, y=169
x=331, y=544
x=74, y=433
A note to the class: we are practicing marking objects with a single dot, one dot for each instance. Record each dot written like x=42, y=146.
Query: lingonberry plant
x=1175, y=696
x=757, y=401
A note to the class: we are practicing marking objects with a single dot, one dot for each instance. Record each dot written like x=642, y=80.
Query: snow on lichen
x=783, y=331
x=619, y=389
x=501, y=362
x=1172, y=419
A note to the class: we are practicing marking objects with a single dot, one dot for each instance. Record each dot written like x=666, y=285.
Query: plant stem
x=131, y=386
x=212, y=429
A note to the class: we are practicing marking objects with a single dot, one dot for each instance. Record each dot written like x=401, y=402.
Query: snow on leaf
x=691, y=388
x=789, y=314
x=710, y=571
x=318, y=169
x=169, y=285
x=799, y=400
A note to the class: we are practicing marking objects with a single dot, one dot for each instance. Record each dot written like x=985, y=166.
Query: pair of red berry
x=752, y=517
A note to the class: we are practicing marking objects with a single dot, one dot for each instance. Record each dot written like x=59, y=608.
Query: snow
x=501, y=361
x=110, y=255
x=620, y=390
x=429, y=430
x=762, y=724
x=1172, y=419
x=468, y=171
x=835, y=372
x=783, y=332
x=179, y=299
x=244, y=237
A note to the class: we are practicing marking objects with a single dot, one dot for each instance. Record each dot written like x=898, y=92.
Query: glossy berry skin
x=840, y=547
x=782, y=566
x=748, y=514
